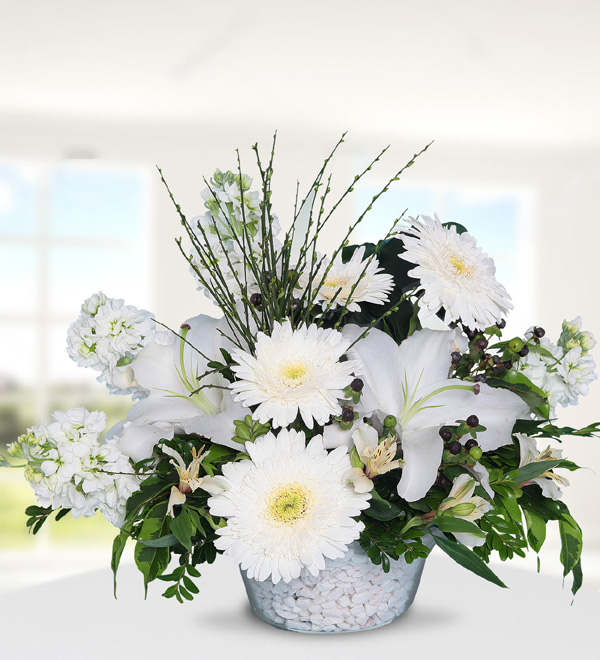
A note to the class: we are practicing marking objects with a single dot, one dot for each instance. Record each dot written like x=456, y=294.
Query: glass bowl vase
x=349, y=595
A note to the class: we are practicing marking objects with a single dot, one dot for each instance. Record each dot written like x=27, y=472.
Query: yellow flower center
x=459, y=266
x=335, y=282
x=288, y=504
x=293, y=373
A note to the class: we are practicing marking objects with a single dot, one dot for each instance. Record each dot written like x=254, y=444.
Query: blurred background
x=94, y=95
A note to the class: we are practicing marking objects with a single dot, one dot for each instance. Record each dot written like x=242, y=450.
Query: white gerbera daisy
x=455, y=274
x=294, y=371
x=287, y=508
x=372, y=287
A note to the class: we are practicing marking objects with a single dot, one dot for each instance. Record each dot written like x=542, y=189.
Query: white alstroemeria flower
x=548, y=481
x=411, y=383
x=172, y=375
x=378, y=457
x=462, y=503
x=189, y=480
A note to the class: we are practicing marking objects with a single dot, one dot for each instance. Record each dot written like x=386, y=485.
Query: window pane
x=94, y=202
x=76, y=273
x=19, y=356
x=18, y=198
x=18, y=274
x=389, y=207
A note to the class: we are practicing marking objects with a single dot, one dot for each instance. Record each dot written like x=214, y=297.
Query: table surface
x=455, y=615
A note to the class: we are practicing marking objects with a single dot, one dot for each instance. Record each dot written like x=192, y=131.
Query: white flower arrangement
x=317, y=412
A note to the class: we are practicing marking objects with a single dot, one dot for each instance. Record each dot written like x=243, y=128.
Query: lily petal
x=422, y=456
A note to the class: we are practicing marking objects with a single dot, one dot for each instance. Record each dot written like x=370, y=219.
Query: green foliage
x=381, y=509
x=160, y=538
x=533, y=470
x=152, y=561
x=468, y=559
x=37, y=516
x=248, y=430
x=516, y=382
x=458, y=525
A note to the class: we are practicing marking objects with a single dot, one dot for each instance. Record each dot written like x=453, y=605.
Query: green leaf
x=193, y=571
x=61, y=514
x=185, y=593
x=190, y=586
x=153, y=561
x=381, y=509
x=536, y=529
x=4, y=461
x=117, y=552
x=184, y=529
x=577, y=578
x=459, y=228
x=510, y=503
x=532, y=470
x=150, y=488
x=468, y=559
x=571, y=543
x=162, y=542
x=517, y=382
x=458, y=526
x=37, y=511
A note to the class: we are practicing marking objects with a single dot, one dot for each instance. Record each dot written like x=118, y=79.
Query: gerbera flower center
x=336, y=282
x=287, y=504
x=460, y=266
x=293, y=373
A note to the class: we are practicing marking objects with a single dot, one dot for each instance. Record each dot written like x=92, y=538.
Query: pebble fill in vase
x=349, y=595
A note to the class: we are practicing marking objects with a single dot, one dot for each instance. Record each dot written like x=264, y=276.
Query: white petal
x=422, y=455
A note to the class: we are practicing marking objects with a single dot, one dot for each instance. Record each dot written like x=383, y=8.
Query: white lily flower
x=172, y=374
x=411, y=382
x=548, y=481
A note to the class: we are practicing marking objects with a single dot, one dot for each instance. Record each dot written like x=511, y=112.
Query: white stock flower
x=562, y=371
x=287, y=508
x=577, y=371
x=294, y=371
x=548, y=481
x=411, y=382
x=454, y=274
x=107, y=336
x=573, y=336
x=231, y=230
x=358, y=280
x=69, y=467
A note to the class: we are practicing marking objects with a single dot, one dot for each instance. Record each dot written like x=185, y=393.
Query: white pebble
x=351, y=593
x=361, y=598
